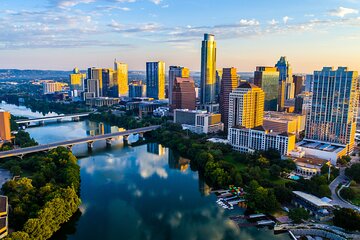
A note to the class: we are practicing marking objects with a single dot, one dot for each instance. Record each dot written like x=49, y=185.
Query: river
x=143, y=192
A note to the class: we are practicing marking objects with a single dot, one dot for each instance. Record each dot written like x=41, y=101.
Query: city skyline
x=62, y=34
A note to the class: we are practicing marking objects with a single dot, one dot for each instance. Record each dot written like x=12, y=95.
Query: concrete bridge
x=42, y=120
x=70, y=143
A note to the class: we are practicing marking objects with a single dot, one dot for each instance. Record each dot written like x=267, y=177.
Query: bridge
x=59, y=117
x=70, y=143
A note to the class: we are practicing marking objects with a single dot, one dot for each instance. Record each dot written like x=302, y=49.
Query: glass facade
x=267, y=78
x=208, y=70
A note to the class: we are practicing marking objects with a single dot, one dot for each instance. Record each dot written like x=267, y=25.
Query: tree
x=275, y=171
x=353, y=172
x=283, y=194
x=298, y=215
x=261, y=199
x=347, y=218
x=348, y=193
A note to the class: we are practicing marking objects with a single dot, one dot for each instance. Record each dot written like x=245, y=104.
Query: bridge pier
x=108, y=142
x=126, y=139
x=90, y=146
x=75, y=119
x=69, y=147
x=41, y=123
x=141, y=136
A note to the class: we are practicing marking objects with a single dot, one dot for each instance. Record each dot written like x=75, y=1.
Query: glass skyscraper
x=208, y=70
x=333, y=113
x=285, y=71
x=155, y=80
x=267, y=78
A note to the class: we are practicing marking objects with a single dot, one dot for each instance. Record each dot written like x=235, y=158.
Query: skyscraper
x=5, y=130
x=333, y=112
x=77, y=80
x=228, y=83
x=174, y=72
x=219, y=73
x=208, y=70
x=96, y=73
x=109, y=88
x=93, y=87
x=155, y=80
x=281, y=96
x=183, y=94
x=246, y=106
x=299, y=83
x=121, y=80
x=267, y=78
x=286, y=75
x=137, y=89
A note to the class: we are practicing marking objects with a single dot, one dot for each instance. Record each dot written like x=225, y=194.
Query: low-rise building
x=252, y=139
x=309, y=166
x=198, y=121
x=102, y=101
x=323, y=150
x=315, y=206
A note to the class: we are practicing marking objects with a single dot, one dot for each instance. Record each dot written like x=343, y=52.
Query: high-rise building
x=137, y=89
x=299, y=83
x=309, y=83
x=333, y=113
x=219, y=73
x=281, y=96
x=229, y=82
x=267, y=78
x=285, y=70
x=183, y=94
x=121, y=79
x=174, y=72
x=5, y=130
x=155, y=80
x=208, y=70
x=96, y=73
x=77, y=80
x=93, y=87
x=246, y=106
x=109, y=88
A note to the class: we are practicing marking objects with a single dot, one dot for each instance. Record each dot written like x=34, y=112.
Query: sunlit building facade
x=96, y=73
x=285, y=71
x=208, y=70
x=267, y=78
x=77, y=80
x=5, y=130
x=183, y=94
x=155, y=80
x=246, y=106
x=121, y=79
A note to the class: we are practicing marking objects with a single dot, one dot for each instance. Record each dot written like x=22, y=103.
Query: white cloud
x=70, y=3
x=273, y=22
x=251, y=22
x=343, y=11
x=157, y=2
x=286, y=19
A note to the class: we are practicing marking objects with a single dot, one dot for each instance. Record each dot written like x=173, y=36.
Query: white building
x=52, y=87
x=249, y=140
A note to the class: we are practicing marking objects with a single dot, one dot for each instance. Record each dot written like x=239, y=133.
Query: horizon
x=62, y=34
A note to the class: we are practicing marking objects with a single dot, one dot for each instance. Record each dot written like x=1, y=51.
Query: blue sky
x=61, y=34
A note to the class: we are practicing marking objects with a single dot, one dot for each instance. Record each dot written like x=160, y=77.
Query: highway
x=70, y=143
x=22, y=121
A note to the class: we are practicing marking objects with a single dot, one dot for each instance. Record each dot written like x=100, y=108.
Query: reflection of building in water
x=177, y=162
x=156, y=148
x=204, y=189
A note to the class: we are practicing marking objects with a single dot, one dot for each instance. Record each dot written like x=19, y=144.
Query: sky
x=62, y=34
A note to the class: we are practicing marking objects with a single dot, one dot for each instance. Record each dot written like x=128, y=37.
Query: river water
x=144, y=192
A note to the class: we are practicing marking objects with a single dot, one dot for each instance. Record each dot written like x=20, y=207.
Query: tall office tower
x=121, y=79
x=286, y=75
x=174, y=72
x=137, y=89
x=183, y=94
x=95, y=73
x=309, y=83
x=208, y=70
x=299, y=83
x=333, y=113
x=228, y=84
x=109, y=86
x=5, y=130
x=155, y=80
x=93, y=87
x=219, y=73
x=246, y=106
x=267, y=78
x=77, y=80
x=281, y=96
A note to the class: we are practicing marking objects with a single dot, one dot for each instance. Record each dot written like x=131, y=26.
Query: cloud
x=251, y=22
x=286, y=19
x=157, y=2
x=342, y=12
x=273, y=22
x=136, y=28
x=70, y=3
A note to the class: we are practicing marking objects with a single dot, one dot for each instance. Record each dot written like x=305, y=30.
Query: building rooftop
x=247, y=85
x=321, y=146
x=312, y=161
x=312, y=199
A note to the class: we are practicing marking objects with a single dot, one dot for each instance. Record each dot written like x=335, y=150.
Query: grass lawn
x=356, y=189
x=238, y=165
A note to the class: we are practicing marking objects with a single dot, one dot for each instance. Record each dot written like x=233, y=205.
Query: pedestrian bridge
x=70, y=143
x=59, y=117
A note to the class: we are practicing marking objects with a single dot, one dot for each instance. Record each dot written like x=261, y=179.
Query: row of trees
x=22, y=139
x=45, y=199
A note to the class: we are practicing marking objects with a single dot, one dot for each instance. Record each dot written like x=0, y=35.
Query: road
x=44, y=147
x=336, y=200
